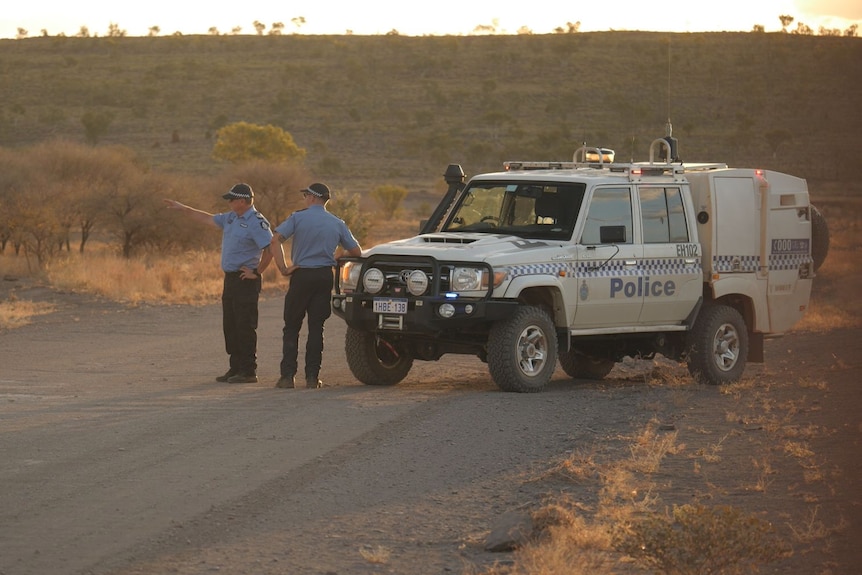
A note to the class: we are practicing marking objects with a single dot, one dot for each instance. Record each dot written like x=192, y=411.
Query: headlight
x=475, y=279
x=468, y=279
x=417, y=282
x=349, y=276
x=373, y=280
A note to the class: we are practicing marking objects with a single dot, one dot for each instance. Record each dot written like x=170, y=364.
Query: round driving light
x=373, y=280
x=468, y=309
x=446, y=310
x=417, y=282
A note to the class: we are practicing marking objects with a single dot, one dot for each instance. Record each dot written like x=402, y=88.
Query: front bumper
x=422, y=315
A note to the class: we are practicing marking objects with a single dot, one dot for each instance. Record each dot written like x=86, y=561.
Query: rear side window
x=608, y=207
x=663, y=216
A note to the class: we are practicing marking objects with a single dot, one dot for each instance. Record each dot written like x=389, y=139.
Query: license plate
x=398, y=306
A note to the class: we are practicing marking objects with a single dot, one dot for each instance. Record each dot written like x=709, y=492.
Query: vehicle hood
x=460, y=246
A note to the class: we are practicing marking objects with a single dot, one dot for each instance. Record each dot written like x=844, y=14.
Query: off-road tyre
x=375, y=361
x=522, y=351
x=819, y=238
x=580, y=366
x=717, y=345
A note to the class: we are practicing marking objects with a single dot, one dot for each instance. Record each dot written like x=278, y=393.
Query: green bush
x=389, y=198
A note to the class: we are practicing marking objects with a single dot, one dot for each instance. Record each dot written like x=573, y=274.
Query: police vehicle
x=585, y=263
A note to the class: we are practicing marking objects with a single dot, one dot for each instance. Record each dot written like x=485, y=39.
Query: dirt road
x=120, y=454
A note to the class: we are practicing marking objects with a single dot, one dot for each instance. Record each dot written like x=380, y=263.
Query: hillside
x=389, y=109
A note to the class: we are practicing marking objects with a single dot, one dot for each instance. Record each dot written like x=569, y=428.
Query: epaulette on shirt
x=263, y=221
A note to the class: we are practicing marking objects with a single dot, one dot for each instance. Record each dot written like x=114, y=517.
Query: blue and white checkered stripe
x=748, y=264
x=735, y=263
x=788, y=261
x=552, y=269
x=649, y=266
x=615, y=268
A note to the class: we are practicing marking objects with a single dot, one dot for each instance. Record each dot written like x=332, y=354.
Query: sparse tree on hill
x=786, y=20
x=758, y=29
x=22, y=33
x=83, y=32
x=851, y=31
x=96, y=125
x=114, y=31
x=259, y=27
x=154, y=31
x=276, y=29
x=213, y=31
x=299, y=22
x=803, y=29
x=569, y=29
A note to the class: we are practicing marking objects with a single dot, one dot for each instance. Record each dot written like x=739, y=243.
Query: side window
x=608, y=207
x=663, y=216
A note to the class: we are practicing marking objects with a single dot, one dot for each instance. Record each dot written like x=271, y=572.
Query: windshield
x=526, y=209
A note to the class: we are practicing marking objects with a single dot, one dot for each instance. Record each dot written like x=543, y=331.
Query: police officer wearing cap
x=246, y=236
x=316, y=234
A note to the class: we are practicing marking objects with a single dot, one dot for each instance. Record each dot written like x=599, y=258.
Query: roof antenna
x=671, y=141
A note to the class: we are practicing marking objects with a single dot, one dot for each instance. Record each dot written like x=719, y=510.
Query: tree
x=803, y=29
x=389, y=197
x=785, y=21
x=114, y=31
x=259, y=27
x=95, y=125
x=241, y=141
x=776, y=138
x=154, y=31
x=276, y=29
x=276, y=186
x=299, y=21
x=22, y=33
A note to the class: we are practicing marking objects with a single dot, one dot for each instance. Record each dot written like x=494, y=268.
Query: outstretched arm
x=193, y=213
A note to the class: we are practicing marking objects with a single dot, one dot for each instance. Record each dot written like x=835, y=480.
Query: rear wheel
x=579, y=365
x=718, y=345
x=522, y=351
x=374, y=360
x=819, y=238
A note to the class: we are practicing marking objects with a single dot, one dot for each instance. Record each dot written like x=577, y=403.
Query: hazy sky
x=438, y=17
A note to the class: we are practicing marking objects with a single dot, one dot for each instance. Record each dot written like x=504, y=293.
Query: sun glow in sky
x=439, y=17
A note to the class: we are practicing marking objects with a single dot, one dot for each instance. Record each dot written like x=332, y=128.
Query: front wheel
x=522, y=351
x=375, y=360
x=718, y=345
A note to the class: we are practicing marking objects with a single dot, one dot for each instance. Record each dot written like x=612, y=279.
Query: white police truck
x=585, y=263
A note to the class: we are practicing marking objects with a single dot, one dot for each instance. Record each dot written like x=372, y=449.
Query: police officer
x=244, y=256
x=316, y=236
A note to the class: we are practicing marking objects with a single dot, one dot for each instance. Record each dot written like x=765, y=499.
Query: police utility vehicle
x=585, y=263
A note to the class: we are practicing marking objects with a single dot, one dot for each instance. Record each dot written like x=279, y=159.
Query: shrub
x=700, y=540
x=389, y=198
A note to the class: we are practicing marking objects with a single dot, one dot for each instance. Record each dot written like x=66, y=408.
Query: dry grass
x=378, y=555
x=17, y=313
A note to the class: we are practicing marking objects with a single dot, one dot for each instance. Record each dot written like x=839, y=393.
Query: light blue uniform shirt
x=243, y=238
x=318, y=234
